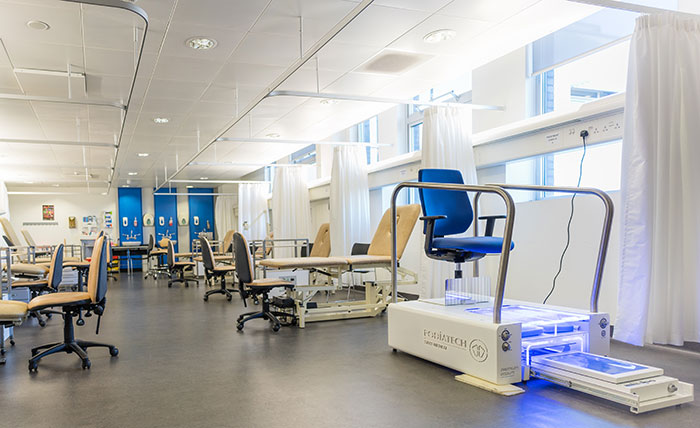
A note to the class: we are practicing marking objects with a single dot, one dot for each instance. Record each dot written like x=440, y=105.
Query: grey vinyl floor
x=183, y=364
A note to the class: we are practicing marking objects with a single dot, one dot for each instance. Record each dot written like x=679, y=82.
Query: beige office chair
x=212, y=271
x=47, y=285
x=71, y=303
x=12, y=313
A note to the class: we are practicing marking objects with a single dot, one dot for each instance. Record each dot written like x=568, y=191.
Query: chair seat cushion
x=183, y=264
x=28, y=269
x=224, y=269
x=12, y=311
x=367, y=260
x=223, y=257
x=269, y=282
x=59, y=299
x=79, y=265
x=478, y=244
x=183, y=254
x=303, y=262
x=34, y=283
x=158, y=252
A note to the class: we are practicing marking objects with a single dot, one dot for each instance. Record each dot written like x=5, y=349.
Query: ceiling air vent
x=393, y=62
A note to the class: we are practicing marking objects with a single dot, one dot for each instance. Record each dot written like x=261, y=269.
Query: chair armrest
x=490, y=222
x=432, y=217
x=430, y=230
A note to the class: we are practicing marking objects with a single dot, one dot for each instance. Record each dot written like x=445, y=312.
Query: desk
x=128, y=251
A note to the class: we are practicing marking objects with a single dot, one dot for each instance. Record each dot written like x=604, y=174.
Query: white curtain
x=291, y=209
x=446, y=143
x=349, y=199
x=223, y=215
x=659, y=293
x=252, y=210
x=4, y=201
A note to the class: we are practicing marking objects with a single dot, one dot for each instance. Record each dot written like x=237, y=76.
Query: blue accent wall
x=203, y=208
x=130, y=208
x=166, y=207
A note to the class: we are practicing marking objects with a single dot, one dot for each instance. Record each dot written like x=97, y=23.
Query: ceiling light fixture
x=161, y=120
x=133, y=173
x=273, y=135
x=328, y=101
x=143, y=155
x=189, y=187
x=439, y=36
x=204, y=178
x=200, y=43
x=38, y=25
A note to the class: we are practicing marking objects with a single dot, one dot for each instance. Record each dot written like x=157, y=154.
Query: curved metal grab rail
x=507, y=234
x=605, y=234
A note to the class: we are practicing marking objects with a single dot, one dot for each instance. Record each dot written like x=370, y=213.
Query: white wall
x=27, y=208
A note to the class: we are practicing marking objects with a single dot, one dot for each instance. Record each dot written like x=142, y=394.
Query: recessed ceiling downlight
x=38, y=25
x=161, y=120
x=273, y=135
x=143, y=155
x=438, y=36
x=200, y=43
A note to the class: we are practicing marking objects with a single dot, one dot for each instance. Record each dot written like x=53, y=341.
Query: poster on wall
x=47, y=212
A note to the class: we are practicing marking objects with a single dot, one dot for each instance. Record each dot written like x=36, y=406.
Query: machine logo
x=478, y=350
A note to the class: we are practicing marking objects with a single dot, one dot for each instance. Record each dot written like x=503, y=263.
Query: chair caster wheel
x=80, y=322
x=229, y=298
x=170, y=285
x=276, y=327
x=42, y=323
x=33, y=366
x=239, y=327
x=206, y=298
x=86, y=365
x=113, y=352
x=2, y=352
x=256, y=301
x=49, y=316
x=394, y=350
x=12, y=342
x=239, y=318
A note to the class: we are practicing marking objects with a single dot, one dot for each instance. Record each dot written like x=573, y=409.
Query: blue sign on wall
x=201, y=212
x=130, y=220
x=166, y=216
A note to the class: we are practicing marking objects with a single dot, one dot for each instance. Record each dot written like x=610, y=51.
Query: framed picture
x=47, y=212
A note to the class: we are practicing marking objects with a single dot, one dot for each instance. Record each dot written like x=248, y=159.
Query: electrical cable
x=584, y=135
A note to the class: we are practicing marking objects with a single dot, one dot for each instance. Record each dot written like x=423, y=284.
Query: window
x=601, y=169
x=582, y=62
x=368, y=132
x=306, y=156
x=414, y=137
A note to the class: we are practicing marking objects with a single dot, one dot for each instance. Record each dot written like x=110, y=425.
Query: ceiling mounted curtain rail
x=370, y=99
x=219, y=182
x=252, y=165
x=194, y=194
x=299, y=142
x=86, y=101
x=130, y=7
x=311, y=53
x=57, y=143
x=632, y=7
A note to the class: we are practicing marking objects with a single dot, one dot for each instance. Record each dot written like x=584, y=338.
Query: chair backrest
x=207, y=253
x=56, y=267
x=151, y=243
x=455, y=205
x=171, y=254
x=28, y=237
x=322, y=243
x=359, y=249
x=8, y=241
x=241, y=254
x=227, y=242
x=406, y=218
x=97, y=273
x=10, y=232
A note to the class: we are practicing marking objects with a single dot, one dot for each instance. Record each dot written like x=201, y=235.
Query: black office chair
x=449, y=212
x=358, y=249
x=71, y=303
x=255, y=287
x=47, y=285
x=212, y=271
x=178, y=268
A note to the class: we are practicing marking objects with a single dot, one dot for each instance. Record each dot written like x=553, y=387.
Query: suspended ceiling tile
x=113, y=88
x=227, y=94
x=203, y=108
x=112, y=28
x=359, y=83
x=166, y=107
x=146, y=125
x=186, y=69
x=237, y=73
x=484, y=10
x=8, y=83
x=268, y=49
x=44, y=56
x=305, y=79
x=379, y=26
x=422, y=5
x=173, y=89
x=341, y=56
x=236, y=15
x=52, y=86
x=64, y=23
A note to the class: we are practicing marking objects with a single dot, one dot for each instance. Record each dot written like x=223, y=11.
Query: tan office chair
x=47, y=285
x=176, y=267
x=212, y=271
x=249, y=286
x=71, y=303
x=12, y=313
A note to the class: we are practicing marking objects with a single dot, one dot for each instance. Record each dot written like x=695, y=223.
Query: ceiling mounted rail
x=86, y=101
x=220, y=181
x=193, y=194
x=632, y=7
x=130, y=7
x=363, y=98
x=58, y=143
x=277, y=82
x=299, y=142
x=248, y=164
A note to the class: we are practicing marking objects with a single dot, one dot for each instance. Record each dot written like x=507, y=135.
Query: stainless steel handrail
x=605, y=234
x=507, y=234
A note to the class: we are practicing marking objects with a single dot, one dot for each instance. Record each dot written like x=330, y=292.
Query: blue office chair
x=449, y=212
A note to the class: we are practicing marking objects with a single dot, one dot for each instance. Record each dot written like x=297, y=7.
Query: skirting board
x=505, y=390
